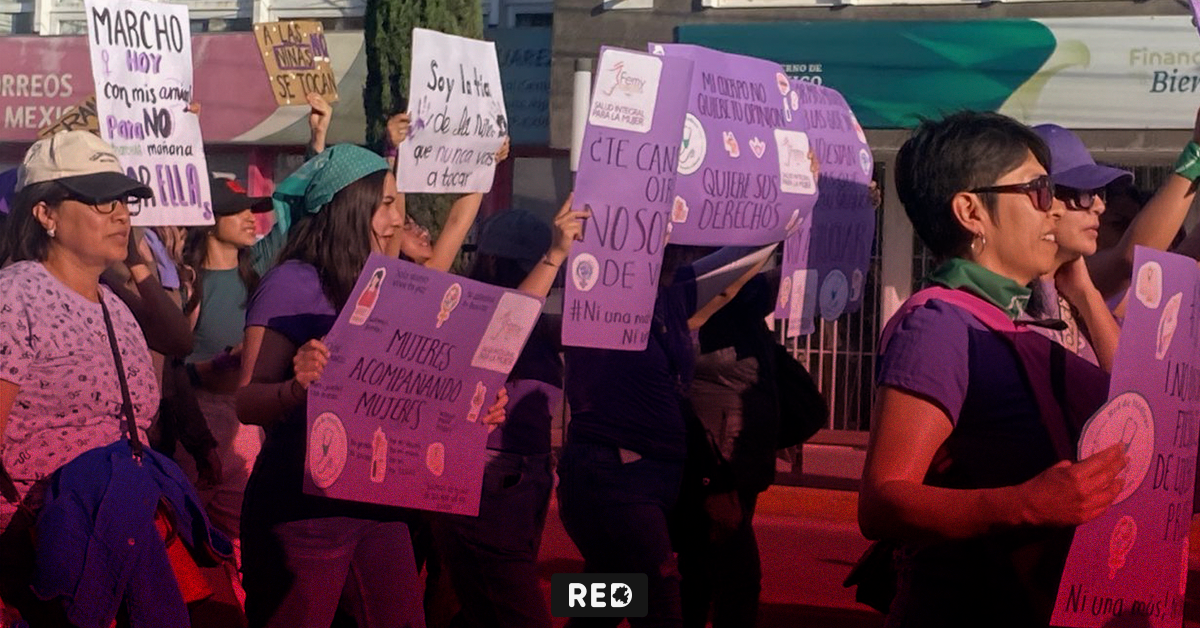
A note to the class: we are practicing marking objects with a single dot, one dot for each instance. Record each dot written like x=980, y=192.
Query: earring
x=981, y=240
x=50, y=232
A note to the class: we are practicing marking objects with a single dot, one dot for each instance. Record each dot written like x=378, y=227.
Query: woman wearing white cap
x=77, y=386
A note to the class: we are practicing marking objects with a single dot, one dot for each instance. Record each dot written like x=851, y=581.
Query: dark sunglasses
x=1079, y=200
x=1040, y=191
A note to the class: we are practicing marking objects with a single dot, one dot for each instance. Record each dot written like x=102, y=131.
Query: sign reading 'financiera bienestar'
x=142, y=67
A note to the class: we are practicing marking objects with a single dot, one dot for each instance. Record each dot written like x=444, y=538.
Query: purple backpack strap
x=990, y=315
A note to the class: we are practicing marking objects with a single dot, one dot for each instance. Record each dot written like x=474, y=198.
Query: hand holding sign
x=1072, y=493
x=309, y=362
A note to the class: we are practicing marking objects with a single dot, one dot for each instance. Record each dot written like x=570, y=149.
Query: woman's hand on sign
x=397, y=129
x=309, y=362
x=502, y=154
x=1072, y=493
x=496, y=413
x=568, y=228
x=193, y=107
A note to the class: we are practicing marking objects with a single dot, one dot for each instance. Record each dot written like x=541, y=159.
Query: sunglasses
x=1039, y=190
x=1079, y=200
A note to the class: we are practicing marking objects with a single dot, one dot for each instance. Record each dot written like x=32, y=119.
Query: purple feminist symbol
x=104, y=58
x=584, y=271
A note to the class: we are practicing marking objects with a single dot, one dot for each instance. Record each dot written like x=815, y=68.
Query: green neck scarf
x=1004, y=293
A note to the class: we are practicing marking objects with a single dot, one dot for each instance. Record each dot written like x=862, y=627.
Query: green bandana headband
x=1004, y=293
x=311, y=187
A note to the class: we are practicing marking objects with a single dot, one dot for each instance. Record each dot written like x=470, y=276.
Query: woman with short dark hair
x=971, y=467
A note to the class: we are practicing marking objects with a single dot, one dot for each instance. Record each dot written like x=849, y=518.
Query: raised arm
x=894, y=502
x=318, y=122
x=1155, y=227
x=721, y=275
x=458, y=224
x=166, y=328
x=1074, y=283
x=568, y=227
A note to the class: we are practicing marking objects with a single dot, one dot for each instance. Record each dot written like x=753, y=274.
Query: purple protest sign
x=626, y=179
x=1129, y=566
x=416, y=358
x=746, y=173
x=837, y=256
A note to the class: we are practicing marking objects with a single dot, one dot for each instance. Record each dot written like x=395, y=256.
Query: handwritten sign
x=456, y=102
x=78, y=117
x=416, y=358
x=746, y=173
x=142, y=67
x=1129, y=566
x=297, y=61
x=626, y=178
x=843, y=220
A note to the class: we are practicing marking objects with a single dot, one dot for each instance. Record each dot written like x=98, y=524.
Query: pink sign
x=417, y=357
x=1129, y=566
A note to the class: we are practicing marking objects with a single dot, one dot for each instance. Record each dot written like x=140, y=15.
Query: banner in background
x=1081, y=73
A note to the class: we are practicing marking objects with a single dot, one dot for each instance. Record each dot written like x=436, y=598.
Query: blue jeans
x=492, y=558
x=296, y=574
x=616, y=514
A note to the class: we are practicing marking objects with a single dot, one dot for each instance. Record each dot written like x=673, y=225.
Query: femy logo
x=622, y=80
x=599, y=595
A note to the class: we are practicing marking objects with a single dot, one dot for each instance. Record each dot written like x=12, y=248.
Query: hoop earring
x=982, y=240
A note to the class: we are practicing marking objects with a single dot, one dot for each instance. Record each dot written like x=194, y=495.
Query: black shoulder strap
x=8, y=488
x=126, y=403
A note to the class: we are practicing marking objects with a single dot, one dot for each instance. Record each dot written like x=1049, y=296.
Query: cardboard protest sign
x=1129, y=566
x=626, y=177
x=746, y=173
x=142, y=66
x=297, y=60
x=416, y=358
x=837, y=251
x=456, y=102
x=79, y=117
